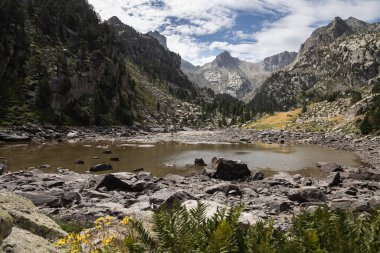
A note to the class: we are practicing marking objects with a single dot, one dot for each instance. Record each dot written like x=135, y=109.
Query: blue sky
x=250, y=29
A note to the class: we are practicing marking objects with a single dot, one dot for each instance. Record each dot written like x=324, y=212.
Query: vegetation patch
x=277, y=121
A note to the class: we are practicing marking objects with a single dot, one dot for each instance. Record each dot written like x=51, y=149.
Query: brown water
x=170, y=158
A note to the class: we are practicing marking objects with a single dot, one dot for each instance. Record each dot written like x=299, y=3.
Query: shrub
x=176, y=229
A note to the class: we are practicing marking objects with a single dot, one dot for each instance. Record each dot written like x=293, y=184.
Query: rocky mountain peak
x=278, y=61
x=225, y=59
x=158, y=36
x=115, y=21
x=338, y=28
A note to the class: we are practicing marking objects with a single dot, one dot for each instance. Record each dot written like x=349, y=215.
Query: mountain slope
x=341, y=56
x=235, y=77
x=61, y=64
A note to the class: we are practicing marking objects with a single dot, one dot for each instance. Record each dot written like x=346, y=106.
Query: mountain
x=339, y=57
x=61, y=64
x=161, y=38
x=236, y=77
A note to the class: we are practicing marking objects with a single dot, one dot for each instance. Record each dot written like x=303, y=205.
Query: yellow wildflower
x=106, y=241
x=125, y=221
x=61, y=242
x=74, y=251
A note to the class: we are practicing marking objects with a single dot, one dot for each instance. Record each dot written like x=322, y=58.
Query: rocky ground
x=84, y=197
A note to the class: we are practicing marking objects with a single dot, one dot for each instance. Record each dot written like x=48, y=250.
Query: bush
x=176, y=229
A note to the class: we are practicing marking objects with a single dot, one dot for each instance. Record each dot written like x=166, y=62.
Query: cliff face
x=61, y=64
x=339, y=57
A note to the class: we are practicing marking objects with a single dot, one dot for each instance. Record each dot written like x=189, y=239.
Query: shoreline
x=72, y=196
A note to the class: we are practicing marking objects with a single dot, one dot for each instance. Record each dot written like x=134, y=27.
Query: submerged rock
x=101, y=167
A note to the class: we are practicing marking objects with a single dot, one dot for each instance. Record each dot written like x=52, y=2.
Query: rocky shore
x=84, y=197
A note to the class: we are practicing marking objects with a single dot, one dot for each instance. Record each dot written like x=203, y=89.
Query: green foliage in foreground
x=179, y=230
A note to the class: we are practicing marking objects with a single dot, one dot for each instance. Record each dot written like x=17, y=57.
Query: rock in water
x=14, y=138
x=199, y=162
x=231, y=170
x=101, y=167
x=3, y=168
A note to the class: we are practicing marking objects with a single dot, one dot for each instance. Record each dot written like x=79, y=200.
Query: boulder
x=329, y=167
x=334, y=180
x=365, y=174
x=231, y=170
x=78, y=162
x=179, y=196
x=112, y=182
x=27, y=216
x=257, y=176
x=53, y=199
x=199, y=162
x=21, y=241
x=6, y=223
x=307, y=194
x=101, y=167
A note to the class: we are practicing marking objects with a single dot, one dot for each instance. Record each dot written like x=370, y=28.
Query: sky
x=249, y=29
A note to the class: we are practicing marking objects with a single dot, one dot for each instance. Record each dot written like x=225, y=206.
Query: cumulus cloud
x=189, y=25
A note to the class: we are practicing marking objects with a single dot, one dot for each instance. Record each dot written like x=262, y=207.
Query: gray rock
x=14, y=138
x=101, y=167
x=178, y=197
x=365, y=174
x=199, y=162
x=257, y=176
x=6, y=223
x=307, y=194
x=226, y=188
x=231, y=170
x=334, y=180
x=351, y=191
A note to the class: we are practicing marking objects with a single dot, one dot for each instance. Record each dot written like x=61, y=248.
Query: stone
x=307, y=194
x=329, y=167
x=14, y=138
x=334, y=180
x=101, y=167
x=199, y=162
x=351, y=191
x=257, y=176
x=27, y=216
x=3, y=168
x=365, y=175
x=72, y=134
x=231, y=170
x=6, y=223
x=174, y=178
x=226, y=188
x=79, y=162
x=141, y=185
x=107, y=152
x=115, y=159
x=53, y=199
x=138, y=170
x=22, y=241
x=179, y=196
x=114, y=182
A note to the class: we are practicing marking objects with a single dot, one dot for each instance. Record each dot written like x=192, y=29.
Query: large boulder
x=307, y=194
x=230, y=170
x=22, y=241
x=27, y=216
x=6, y=223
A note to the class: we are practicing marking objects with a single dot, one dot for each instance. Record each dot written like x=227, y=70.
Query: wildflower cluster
x=107, y=235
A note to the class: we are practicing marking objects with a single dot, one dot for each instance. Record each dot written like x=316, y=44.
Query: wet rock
x=72, y=134
x=45, y=166
x=115, y=159
x=138, y=170
x=101, y=167
x=78, y=162
x=107, y=152
x=307, y=194
x=329, y=167
x=199, y=162
x=231, y=170
x=226, y=188
x=6, y=223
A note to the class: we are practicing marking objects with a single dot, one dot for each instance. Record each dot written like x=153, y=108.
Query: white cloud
x=297, y=19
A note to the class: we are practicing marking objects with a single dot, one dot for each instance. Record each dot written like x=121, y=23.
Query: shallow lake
x=170, y=158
